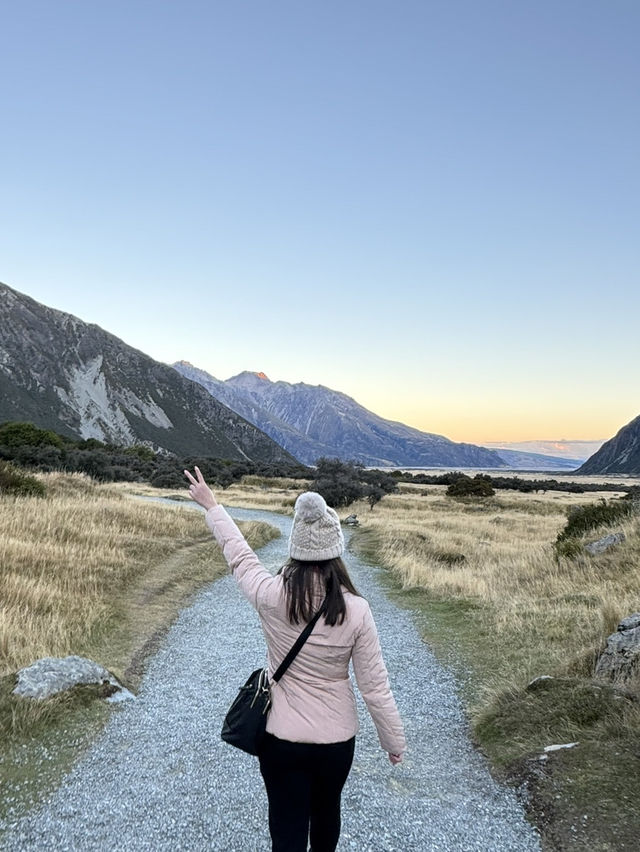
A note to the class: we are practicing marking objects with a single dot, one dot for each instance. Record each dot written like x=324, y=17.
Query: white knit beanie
x=316, y=533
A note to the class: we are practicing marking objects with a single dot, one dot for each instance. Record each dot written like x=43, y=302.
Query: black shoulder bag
x=246, y=721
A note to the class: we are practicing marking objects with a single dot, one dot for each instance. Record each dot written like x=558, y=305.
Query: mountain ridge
x=76, y=378
x=313, y=420
x=620, y=454
x=252, y=383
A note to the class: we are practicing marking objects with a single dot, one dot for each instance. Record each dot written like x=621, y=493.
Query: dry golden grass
x=497, y=556
x=88, y=570
x=497, y=605
x=72, y=562
x=64, y=557
x=493, y=560
x=275, y=495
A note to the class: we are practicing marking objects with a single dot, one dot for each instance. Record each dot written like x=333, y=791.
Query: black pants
x=304, y=782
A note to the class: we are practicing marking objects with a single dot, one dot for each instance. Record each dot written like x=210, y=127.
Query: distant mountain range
x=61, y=373
x=518, y=460
x=574, y=452
x=312, y=421
x=75, y=378
x=621, y=454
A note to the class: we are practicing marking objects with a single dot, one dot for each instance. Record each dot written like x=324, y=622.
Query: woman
x=308, y=748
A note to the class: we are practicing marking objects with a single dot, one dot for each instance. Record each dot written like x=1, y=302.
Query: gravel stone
x=160, y=778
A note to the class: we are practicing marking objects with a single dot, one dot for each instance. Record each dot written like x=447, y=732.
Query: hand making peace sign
x=200, y=491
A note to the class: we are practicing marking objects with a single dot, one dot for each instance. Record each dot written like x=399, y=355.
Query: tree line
x=340, y=482
x=513, y=483
x=28, y=446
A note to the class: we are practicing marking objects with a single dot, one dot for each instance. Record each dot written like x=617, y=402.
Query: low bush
x=583, y=519
x=15, y=434
x=464, y=486
x=342, y=483
x=26, y=446
x=18, y=483
x=515, y=483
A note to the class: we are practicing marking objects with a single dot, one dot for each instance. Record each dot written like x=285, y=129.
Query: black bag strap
x=297, y=645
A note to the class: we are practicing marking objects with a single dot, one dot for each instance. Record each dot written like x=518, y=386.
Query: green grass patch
x=40, y=742
x=583, y=798
x=555, y=710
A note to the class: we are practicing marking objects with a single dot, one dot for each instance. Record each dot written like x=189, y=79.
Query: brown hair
x=302, y=579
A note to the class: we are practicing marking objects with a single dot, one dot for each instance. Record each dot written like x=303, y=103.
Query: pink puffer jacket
x=314, y=701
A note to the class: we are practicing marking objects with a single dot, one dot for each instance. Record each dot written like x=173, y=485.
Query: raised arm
x=252, y=577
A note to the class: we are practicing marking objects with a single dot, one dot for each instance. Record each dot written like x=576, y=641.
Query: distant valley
x=312, y=421
x=574, y=452
x=61, y=373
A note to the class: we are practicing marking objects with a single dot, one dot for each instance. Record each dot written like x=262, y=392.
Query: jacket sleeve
x=252, y=577
x=373, y=683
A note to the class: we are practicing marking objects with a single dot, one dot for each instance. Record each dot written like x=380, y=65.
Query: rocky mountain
x=621, y=454
x=61, y=373
x=312, y=421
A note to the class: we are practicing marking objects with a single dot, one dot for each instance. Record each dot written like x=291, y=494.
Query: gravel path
x=160, y=778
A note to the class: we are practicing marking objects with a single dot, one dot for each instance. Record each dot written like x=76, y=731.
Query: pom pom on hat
x=310, y=507
x=316, y=533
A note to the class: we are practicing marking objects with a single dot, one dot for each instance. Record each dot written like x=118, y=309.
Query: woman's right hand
x=200, y=491
x=395, y=758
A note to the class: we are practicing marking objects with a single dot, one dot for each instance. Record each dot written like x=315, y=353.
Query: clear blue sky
x=432, y=206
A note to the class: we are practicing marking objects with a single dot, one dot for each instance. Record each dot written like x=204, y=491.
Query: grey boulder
x=620, y=660
x=51, y=675
x=604, y=543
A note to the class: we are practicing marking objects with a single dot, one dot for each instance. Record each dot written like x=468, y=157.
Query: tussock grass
x=58, y=484
x=89, y=571
x=499, y=555
x=280, y=496
x=64, y=557
x=13, y=480
x=499, y=605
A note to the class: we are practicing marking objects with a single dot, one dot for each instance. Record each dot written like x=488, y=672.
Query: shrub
x=342, y=483
x=464, y=486
x=449, y=557
x=167, y=479
x=26, y=445
x=20, y=434
x=582, y=519
x=14, y=481
x=93, y=462
x=141, y=452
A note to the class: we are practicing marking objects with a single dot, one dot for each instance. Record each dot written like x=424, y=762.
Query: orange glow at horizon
x=511, y=425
